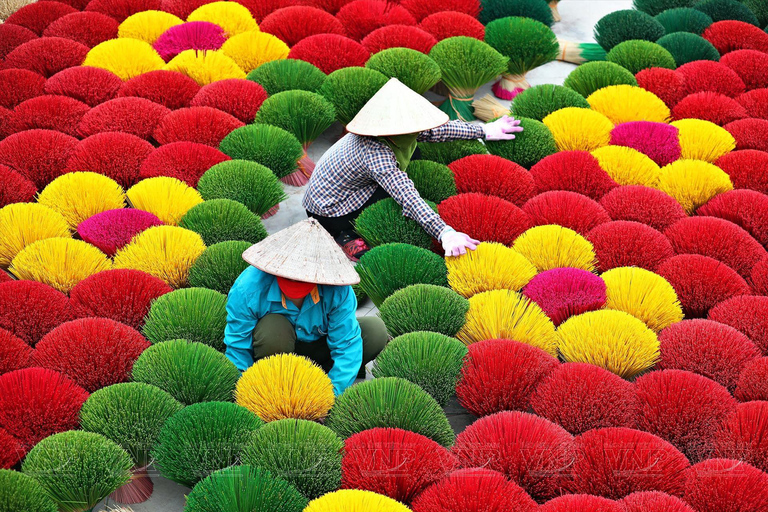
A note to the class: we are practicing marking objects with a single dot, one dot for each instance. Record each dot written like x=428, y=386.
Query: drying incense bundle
x=466, y=64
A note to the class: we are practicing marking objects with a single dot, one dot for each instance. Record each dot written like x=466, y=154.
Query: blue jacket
x=256, y=294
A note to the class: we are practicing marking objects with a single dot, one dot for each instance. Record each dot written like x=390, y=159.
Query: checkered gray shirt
x=347, y=175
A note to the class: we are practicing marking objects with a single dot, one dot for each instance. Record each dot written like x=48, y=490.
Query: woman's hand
x=503, y=128
x=456, y=244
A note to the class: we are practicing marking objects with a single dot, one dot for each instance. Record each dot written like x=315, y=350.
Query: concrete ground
x=578, y=18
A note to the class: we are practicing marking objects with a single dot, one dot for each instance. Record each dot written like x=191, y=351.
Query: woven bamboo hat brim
x=396, y=110
x=303, y=252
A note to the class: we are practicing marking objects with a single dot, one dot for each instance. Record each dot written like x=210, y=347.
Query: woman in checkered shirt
x=368, y=164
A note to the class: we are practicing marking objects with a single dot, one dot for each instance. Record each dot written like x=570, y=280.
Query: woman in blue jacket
x=297, y=297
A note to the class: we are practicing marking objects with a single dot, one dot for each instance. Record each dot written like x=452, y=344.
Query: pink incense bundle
x=707, y=75
x=565, y=292
x=193, y=35
x=568, y=209
x=169, y=88
x=185, y=161
x=711, y=106
x=657, y=141
x=445, y=24
x=747, y=168
x=88, y=28
x=361, y=17
x=664, y=83
x=750, y=65
x=623, y=243
x=399, y=36
x=749, y=133
x=137, y=116
x=237, y=97
x=755, y=102
x=329, y=52
x=730, y=35
x=292, y=24
x=494, y=176
x=92, y=86
x=204, y=125
x=111, y=230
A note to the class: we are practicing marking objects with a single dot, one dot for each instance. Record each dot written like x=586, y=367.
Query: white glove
x=456, y=244
x=504, y=128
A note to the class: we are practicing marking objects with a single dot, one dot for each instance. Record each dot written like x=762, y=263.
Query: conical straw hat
x=396, y=110
x=303, y=252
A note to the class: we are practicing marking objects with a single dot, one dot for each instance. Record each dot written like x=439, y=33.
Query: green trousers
x=274, y=334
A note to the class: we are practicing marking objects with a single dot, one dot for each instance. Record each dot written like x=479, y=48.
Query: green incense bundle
x=194, y=314
x=383, y=222
x=389, y=402
x=413, y=68
x=390, y=267
x=219, y=266
x=579, y=53
x=424, y=307
x=287, y=75
x=432, y=361
x=304, y=453
x=466, y=64
x=189, y=372
x=527, y=44
x=591, y=76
